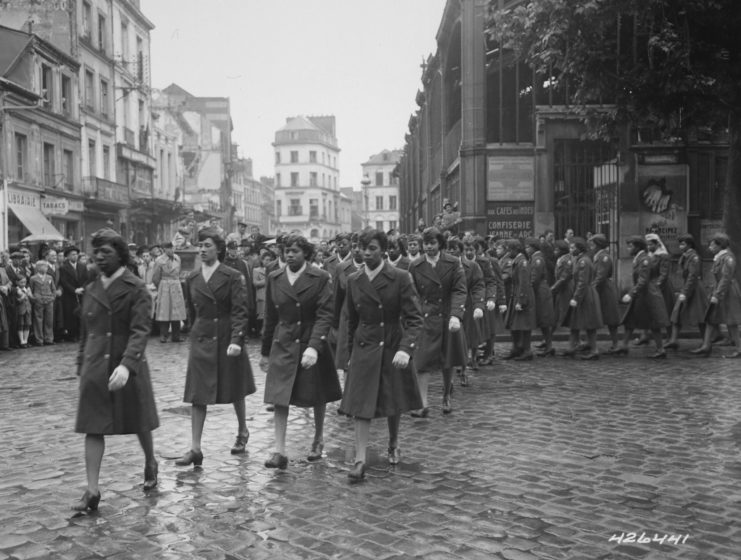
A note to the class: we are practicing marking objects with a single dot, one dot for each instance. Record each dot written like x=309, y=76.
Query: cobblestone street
x=554, y=458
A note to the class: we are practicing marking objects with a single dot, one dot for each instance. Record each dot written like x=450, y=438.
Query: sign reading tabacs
x=510, y=219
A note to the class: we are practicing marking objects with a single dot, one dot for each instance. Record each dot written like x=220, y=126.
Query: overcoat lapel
x=200, y=286
x=98, y=293
x=305, y=281
x=218, y=279
x=426, y=270
x=282, y=284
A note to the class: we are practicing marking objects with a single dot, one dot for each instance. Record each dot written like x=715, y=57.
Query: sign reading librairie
x=510, y=219
x=510, y=178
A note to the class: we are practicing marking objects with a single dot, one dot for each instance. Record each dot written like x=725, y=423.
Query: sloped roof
x=385, y=157
x=12, y=44
x=176, y=91
x=299, y=123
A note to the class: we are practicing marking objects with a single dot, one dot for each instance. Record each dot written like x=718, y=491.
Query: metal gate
x=586, y=185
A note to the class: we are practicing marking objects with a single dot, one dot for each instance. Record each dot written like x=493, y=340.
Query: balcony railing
x=105, y=190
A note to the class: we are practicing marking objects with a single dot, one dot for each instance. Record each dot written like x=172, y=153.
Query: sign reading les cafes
x=510, y=219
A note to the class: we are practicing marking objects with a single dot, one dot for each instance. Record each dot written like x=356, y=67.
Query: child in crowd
x=23, y=310
x=43, y=290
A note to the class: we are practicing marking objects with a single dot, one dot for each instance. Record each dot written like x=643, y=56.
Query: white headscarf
x=661, y=250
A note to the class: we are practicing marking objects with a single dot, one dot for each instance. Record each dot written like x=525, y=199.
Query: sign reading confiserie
x=510, y=219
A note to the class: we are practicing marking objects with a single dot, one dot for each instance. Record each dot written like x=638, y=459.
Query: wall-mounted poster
x=510, y=178
x=663, y=196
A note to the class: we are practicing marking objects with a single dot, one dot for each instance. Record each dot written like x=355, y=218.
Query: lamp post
x=365, y=184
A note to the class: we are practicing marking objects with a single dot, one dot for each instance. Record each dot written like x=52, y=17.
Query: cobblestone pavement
x=555, y=458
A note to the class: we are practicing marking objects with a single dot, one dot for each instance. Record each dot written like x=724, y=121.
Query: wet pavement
x=555, y=458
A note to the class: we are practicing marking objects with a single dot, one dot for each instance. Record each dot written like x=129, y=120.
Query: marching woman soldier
x=725, y=300
x=606, y=291
x=219, y=369
x=339, y=320
x=692, y=301
x=661, y=266
x=115, y=387
x=473, y=323
x=544, y=314
x=295, y=352
x=563, y=287
x=441, y=284
x=520, y=317
x=647, y=309
x=384, y=319
x=494, y=296
x=585, y=313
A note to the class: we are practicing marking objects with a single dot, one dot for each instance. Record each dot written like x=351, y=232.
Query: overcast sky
x=356, y=59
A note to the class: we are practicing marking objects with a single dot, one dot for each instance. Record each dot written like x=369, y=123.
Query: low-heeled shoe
x=277, y=461
x=394, y=456
x=357, y=472
x=89, y=501
x=316, y=452
x=240, y=444
x=190, y=458
x=150, y=476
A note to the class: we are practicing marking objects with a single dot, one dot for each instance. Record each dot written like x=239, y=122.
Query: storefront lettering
x=55, y=206
x=23, y=199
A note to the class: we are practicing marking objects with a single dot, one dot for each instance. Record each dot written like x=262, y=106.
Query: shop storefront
x=26, y=222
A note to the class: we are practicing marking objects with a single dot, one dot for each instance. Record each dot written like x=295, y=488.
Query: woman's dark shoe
x=277, y=461
x=512, y=355
x=590, y=356
x=524, y=357
x=447, y=406
x=89, y=501
x=612, y=350
x=357, y=472
x=194, y=458
x=671, y=346
x=621, y=351
x=660, y=355
x=545, y=353
x=640, y=341
x=463, y=376
x=540, y=345
x=150, y=475
x=394, y=456
x=421, y=413
x=240, y=444
x=316, y=452
x=736, y=354
x=702, y=351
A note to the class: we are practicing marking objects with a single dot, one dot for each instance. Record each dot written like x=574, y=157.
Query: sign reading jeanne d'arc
x=510, y=178
x=510, y=219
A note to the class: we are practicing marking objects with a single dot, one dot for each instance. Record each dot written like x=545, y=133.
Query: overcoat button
x=106, y=356
x=427, y=314
x=298, y=304
x=380, y=324
x=298, y=322
x=214, y=338
x=298, y=341
x=216, y=320
x=380, y=343
x=108, y=334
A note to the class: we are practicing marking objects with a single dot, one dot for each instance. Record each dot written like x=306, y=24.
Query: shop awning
x=41, y=229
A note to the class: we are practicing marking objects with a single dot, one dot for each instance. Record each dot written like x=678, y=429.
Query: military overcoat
x=522, y=294
x=299, y=316
x=563, y=287
x=442, y=293
x=606, y=290
x=545, y=316
x=115, y=325
x=692, y=310
x=384, y=316
x=587, y=314
x=475, y=331
x=218, y=313
x=726, y=290
x=647, y=309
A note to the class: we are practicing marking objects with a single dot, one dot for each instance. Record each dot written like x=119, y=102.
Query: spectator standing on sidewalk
x=115, y=388
x=170, y=300
x=23, y=311
x=43, y=292
x=73, y=275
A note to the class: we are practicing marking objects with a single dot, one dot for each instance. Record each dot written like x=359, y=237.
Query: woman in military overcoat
x=725, y=299
x=692, y=301
x=585, y=313
x=520, y=317
x=295, y=352
x=384, y=318
x=646, y=309
x=441, y=284
x=563, y=286
x=219, y=369
x=602, y=280
x=115, y=388
x=545, y=316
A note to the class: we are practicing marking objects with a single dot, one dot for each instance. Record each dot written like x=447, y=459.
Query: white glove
x=118, y=378
x=309, y=357
x=264, y=364
x=518, y=307
x=682, y=297
x=627, y=298
x=233, y=350
x=714, y=300
x=502, y=309
x=572, y=303
x=401, y=359
x=478, y=313
x=490, y=305
x=454, y=325
x=80, y=291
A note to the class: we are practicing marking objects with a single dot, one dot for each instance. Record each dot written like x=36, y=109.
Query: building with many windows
x=307, y=193
x=40, y=142
x=381, y=190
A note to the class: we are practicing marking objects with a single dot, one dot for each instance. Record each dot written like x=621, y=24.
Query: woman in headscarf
x=661, y=267
x=219, y=369
x=115, y=388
